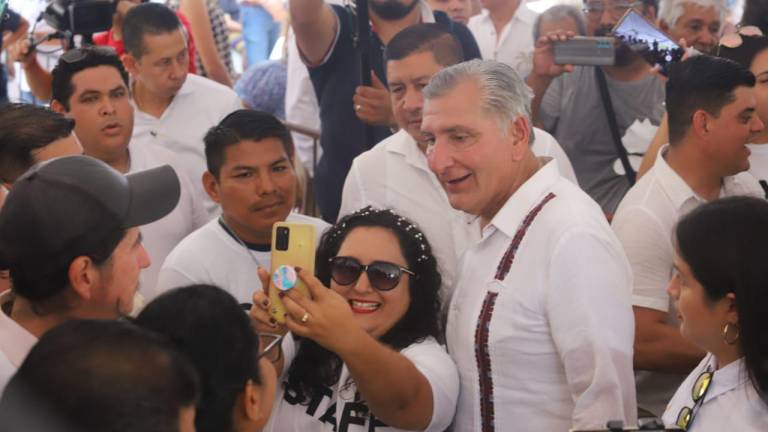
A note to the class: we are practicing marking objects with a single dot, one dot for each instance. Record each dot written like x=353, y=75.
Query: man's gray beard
x=391, y=10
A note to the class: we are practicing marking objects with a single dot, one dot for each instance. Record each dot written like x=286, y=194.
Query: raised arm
x=545, y=69
x=315, y=26
x=406, y=402
x=39, y=79
x=200, y=22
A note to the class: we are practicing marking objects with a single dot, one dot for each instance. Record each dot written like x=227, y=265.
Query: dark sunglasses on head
x=700, y=387
x=78, y=54
x=382, y=275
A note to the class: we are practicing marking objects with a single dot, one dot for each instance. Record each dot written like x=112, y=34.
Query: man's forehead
x=693, y=11
x=99, y=78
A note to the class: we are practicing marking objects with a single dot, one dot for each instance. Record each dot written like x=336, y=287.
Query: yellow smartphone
x=293, y=244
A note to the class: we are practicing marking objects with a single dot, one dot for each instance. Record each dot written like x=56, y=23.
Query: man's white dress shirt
x=514, y=46
x=15, y=342
x=199, y=105
x=644, y=223
x=395, y=175
x=540, y=324
x=731, y=402
x=161, y=236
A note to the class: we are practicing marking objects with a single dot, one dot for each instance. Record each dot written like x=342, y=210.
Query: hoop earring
x=726, y=333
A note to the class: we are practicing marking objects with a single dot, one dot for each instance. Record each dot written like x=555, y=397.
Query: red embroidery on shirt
x=482, y=332
x=506, y=261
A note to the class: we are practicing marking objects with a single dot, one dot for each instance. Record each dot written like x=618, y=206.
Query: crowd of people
x=503, y=242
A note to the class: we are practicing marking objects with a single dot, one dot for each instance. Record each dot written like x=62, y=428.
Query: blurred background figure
x=107, y=376
x=559, y=17
x=459, y=10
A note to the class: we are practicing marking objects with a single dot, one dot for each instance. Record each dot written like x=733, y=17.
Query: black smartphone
x=646, y=39
x=586, y=51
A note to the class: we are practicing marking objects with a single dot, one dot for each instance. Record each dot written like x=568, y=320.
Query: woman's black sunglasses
x=382, y=275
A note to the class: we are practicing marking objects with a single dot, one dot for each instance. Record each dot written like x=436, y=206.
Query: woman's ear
x=256, y=404
x=733, y=311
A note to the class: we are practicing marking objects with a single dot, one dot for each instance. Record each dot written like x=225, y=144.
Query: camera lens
x=281, y=238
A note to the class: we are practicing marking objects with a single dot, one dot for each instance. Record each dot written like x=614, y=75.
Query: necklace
x=231, y=232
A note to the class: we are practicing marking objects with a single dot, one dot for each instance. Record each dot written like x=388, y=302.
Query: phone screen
x=645, y=39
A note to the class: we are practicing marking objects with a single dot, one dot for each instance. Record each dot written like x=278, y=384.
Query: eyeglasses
x=383, y=275
x=79, y=54
x=269, y=344
x=594, y=9
x=700, y=387
x=734, y=40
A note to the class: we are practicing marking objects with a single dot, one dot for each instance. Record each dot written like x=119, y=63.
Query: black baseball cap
x=78, y=206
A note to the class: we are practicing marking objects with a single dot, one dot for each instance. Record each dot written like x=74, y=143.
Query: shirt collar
x=726, y=378
x=15, y=340
x=678, y=191
x=404, y=144
x=510, y=216
x=673, y=185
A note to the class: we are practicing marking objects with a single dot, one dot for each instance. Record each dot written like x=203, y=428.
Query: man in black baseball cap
x=69, y=236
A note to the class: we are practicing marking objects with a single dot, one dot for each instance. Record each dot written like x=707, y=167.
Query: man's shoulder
x=207, y=90
x=374, y=156
x=205, y=239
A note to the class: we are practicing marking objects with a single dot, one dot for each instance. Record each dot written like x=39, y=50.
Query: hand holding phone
x=586, y=51
x=644, y=38
x=544, y=64
x=293, y=245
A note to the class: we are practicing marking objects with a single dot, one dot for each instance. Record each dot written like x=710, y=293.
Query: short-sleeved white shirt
x=161, y=236
x=515, y=44
x=731, y=402
x=395, y=175
x=540, y=325
x=338, y=411
x=644, y=223
x=212, y=256
x=15, y=343
x=199, y=105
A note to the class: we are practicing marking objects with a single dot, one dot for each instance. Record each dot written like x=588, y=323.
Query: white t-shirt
x=758, y=162
x=301, y=107
x=540, y=325
x=730, y=404
x=15, y=343
x=644, y=223
x=212, y=256
x=161, y=236
x=199, y=105
x=342, y=410
x=515, y=44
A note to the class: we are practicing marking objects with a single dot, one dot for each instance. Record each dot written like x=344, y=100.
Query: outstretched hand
x=326, y=317
x=544, y=55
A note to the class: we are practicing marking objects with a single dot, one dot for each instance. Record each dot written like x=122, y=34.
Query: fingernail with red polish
x=281, y=294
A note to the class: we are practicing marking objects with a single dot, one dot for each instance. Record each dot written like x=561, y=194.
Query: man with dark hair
x=30, y=134
x=571, y=106
x=208, y=325
x=394, y=174
x=712, y=117
x=251, y=175
x=69, y=236
x=90, y=85
x=326, y=35
x=106, y=376
x=174, y=109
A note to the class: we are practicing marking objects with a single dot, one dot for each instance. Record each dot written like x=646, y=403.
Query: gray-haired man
x=541, y=335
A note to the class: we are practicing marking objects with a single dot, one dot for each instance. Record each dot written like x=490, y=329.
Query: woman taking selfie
x=366, y=355
x=720, y=288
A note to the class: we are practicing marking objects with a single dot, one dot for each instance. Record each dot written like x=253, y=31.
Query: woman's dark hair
x=315, y=367
x=107, y=376
x=745, y=53
x=724, y=244
x=756, y=14
x=208, y=325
